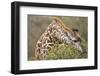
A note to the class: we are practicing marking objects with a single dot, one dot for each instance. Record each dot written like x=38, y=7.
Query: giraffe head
x=76, y=40
x=67, y=35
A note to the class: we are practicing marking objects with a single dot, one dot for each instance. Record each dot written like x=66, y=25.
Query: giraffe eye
x=75, y=40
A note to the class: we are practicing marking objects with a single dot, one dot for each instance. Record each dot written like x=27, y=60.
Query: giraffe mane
x=65, y=28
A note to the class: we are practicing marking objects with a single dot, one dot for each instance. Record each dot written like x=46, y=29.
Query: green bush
x=62, y=51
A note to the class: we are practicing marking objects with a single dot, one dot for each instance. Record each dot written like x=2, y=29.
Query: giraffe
x=57, y=32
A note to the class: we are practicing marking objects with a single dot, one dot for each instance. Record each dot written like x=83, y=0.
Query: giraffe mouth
x=78, y=46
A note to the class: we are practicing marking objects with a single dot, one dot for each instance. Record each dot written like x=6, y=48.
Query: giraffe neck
x=46, y=41
x=49, y=38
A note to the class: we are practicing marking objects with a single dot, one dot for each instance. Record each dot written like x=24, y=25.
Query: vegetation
x=63, y=51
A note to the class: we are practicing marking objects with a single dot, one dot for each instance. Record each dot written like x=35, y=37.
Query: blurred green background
x=37, y=24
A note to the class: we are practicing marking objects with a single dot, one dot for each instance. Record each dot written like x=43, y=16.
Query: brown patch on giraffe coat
x=39, y=45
